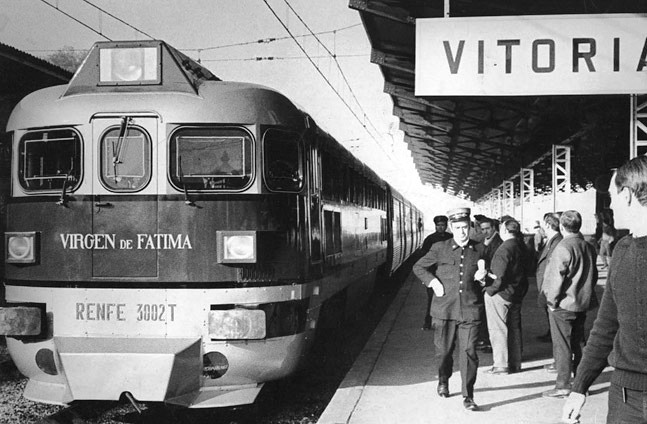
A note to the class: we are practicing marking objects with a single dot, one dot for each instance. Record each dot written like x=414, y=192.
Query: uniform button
x=461, y=265
x=460, y=291
x=461, y=273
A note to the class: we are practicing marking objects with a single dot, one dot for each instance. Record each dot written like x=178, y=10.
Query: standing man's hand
x=437, y=287
x=572, y=408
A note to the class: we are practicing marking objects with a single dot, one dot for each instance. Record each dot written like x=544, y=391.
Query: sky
x=344, y=97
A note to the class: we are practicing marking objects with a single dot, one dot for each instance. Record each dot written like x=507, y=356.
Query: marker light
x=237, y=324
x=236, y=246
x=128, y=66
x=21, y=247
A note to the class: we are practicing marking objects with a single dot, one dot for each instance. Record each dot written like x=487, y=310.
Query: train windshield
x=50, y=159
x=211, y=159
x=125, y=159
x=282, y=152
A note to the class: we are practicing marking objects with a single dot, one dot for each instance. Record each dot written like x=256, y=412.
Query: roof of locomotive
x=151, y=76
x=216, y=102
x=181, y=91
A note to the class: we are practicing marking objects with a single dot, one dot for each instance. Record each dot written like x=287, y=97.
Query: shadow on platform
x=394, y=379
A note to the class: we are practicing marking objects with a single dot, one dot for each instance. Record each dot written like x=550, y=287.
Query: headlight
x=236, y=246
x=21, y=248
x=237, y=324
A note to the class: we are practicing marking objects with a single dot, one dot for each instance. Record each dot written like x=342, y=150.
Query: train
x=172, y=237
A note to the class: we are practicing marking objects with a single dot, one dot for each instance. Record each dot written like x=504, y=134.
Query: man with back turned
x=457, y=309
x=569, y=283
x=619, y=333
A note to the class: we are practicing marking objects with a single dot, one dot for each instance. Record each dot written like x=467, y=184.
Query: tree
x=67, y=58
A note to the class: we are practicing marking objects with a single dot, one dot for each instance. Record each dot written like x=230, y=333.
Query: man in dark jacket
x=441, y=234
x=491, y=242
x=550, y=226
x=503, y=299
x=457, y=307
x=569, y=282
x=492, y=239
x=620, y=328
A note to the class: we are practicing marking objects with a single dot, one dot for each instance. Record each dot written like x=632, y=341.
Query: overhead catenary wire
x=334, y=57
x=269, y=39
x=118, y=19
x=270, y=58
x=326, y=79
x=77, y=20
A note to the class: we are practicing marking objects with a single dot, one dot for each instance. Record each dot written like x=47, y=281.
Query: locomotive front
x=158, y=234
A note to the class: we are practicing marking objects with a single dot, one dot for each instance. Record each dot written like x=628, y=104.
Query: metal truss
x=638, y=128
x=561, y=172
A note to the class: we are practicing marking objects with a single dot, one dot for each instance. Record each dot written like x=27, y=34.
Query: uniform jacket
x=463, y=299
x=542, y=261
x=509, y=264
x=571, y=275
x=491, y=247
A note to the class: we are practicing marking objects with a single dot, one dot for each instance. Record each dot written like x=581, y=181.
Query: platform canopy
x=469, y=144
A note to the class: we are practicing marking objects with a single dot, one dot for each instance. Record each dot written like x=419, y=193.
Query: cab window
x=50, y=160
x=282, y=164
x=125, y=159
x=211, y=159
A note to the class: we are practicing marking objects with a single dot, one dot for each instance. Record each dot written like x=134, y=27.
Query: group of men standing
x=471, y=281
x=473, y=285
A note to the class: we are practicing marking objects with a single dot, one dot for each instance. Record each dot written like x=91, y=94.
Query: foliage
x=67, y=58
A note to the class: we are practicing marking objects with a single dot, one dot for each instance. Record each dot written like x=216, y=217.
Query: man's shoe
x=556, y=393
x=469, y=404
x=514, y=370
x=427, y=325
x=443, y=390
x=498, y=370
x=550, y=367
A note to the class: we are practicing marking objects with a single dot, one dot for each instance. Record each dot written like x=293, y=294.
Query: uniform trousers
x=504, y=322
x=567, y=334
x=626, y=406
x=445, y=334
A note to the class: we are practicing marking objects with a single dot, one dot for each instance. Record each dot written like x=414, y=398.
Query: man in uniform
x=441, y=234
x=457, y=309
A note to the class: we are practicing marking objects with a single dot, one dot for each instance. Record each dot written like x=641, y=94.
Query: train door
x=314, y=198
x=125, y=196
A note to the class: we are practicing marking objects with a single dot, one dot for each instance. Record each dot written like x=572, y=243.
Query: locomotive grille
x=256, y=273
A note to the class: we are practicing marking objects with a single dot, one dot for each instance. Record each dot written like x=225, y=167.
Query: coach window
x=283, y=165
x=50, y=160
x=125, y=159
x=211, y=159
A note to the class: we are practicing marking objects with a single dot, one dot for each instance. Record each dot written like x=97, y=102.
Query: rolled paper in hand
x=481, y=264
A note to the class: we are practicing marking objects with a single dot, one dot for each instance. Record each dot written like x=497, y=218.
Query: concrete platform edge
x=343, y=403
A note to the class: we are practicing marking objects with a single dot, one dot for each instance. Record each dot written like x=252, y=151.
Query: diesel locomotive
x=172, y=237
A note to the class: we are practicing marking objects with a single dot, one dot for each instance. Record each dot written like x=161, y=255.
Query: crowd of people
x=476, y=281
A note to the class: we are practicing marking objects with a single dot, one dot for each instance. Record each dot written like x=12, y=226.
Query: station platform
x=394, y=378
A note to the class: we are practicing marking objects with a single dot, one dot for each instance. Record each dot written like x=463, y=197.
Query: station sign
x=531, y=55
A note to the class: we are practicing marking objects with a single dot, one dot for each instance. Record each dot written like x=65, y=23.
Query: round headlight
x=20, y=247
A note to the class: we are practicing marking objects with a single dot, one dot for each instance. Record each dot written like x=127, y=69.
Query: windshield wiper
x=62, y=201
x=118, y=148
x=187, y=201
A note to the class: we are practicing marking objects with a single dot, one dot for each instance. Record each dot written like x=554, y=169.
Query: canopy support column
x=561, y=159
x=638, y=128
